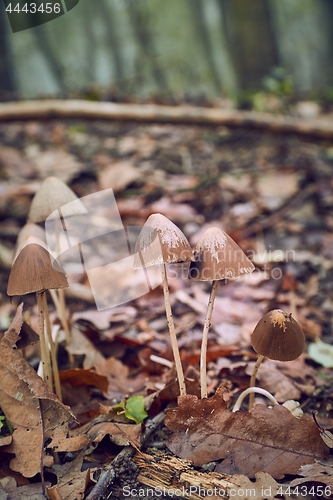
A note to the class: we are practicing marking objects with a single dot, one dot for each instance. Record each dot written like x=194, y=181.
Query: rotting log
x=153, y=113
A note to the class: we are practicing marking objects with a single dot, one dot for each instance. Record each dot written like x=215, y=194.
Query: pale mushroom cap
x=217, y=256
x=33, y=271
x=278, y=336
x=30, y=229
x=170, y=245
x=52, y=195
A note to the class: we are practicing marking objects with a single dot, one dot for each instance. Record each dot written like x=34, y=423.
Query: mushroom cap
x=33, y=271
x=278, y=336
x=52, y=195
x=217, y=256
x=170, y=246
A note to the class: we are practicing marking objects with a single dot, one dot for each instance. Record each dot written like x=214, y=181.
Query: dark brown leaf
x=266, y=439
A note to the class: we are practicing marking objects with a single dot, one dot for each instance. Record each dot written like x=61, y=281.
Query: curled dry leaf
x=319, y=473
x=71, y=480
x=32, y=409
x=204, y=430
x=120, y=434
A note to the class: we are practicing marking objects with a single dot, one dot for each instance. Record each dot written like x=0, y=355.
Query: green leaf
x=134, y=409
x=1, y=421
x=321, y=353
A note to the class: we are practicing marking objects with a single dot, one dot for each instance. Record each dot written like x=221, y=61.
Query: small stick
x=173, y=337
x=203, y=357
x=108, y=475
x=253, y=380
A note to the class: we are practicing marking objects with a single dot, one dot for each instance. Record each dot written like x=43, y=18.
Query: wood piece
x=192, y=115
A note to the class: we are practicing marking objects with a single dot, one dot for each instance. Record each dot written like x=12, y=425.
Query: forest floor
x=274, y=195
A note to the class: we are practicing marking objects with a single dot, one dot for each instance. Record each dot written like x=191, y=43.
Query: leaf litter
x=285, y=232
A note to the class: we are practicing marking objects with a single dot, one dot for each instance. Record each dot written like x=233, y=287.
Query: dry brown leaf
x=54, y=160
x=321, y=473
x=5, y=440
x=120, y=434
x=71, y=481
x=10, y=491
x=119, y=383
x=78, y=376
x=204, y=430
x=32, y=409
x=275, y=382
x=118, y=176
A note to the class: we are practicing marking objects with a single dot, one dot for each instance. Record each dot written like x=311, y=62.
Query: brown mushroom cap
x=278, y=336
x=33, y=271
x=52, y=194
x=171, y=246
x=217, y=256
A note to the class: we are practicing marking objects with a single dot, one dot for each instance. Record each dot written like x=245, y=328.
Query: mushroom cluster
x=216, y=257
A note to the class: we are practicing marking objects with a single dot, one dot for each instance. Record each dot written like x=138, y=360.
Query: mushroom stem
x=173, y=337
x=44, y=353
x=61, y=311
x=251, y=391
x=203, y=357
x=253, y=380
x=52, y=349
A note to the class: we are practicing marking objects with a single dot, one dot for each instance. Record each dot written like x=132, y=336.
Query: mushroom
x=277, y=336
x=170, y=246
x=52, y=194
x=33, y=271
x=217, y=257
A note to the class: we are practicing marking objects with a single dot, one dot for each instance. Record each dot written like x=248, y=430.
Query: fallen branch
x=193, y=115
x=108, y=474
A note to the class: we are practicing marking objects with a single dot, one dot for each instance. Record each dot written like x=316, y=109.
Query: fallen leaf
x=71, y=481
x=10, y=491
x=321, y=473
x=78, y=376
x=275, y=382
x=54, y=160
x=32, y=409
x=321, y=353
x=119, y=382
x=118, y=176
x=204, y=430
x=120, y=434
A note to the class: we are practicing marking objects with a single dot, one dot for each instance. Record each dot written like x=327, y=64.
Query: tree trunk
x=7, y=81
x=251, y=44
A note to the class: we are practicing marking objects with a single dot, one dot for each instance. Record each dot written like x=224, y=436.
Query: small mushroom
x=277, y=336
x=52, y=194
x=171, y=246
x=217, y=257
x=33, y=271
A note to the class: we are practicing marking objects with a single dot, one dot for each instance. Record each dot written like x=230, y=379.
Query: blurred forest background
x=174, y=49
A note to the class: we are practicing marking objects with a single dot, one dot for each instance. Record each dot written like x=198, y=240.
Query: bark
x=251, y=41
x=7, y=82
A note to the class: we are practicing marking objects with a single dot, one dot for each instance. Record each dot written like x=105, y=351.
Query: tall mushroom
x=33, y=271
x=170, y=247
x=217, y=257
x=52, y=194
x=277, y=336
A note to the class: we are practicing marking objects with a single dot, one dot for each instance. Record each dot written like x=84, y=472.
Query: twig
x=108, y=475
x=193, y=115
